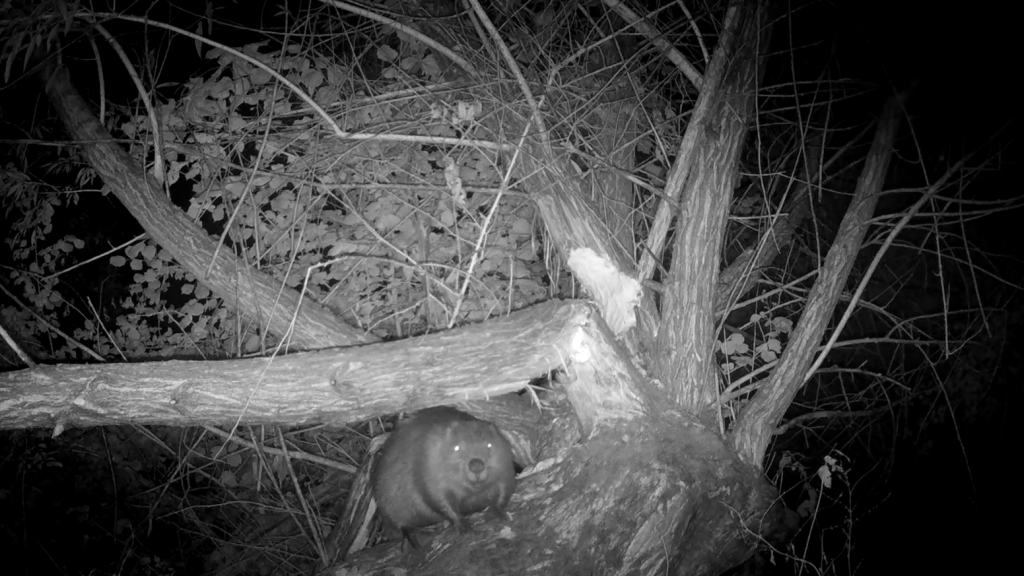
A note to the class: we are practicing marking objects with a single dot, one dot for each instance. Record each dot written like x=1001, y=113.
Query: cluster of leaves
x=375, y=230
x=160, y=309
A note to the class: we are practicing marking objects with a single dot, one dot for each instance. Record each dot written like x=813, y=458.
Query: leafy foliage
x=372, y=229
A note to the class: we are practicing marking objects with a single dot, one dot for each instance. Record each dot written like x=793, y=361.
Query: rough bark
x=646, y=489
x=628, y=501
x=257, y=295
x=686, y=337
x=573, y=222
x=754, y=429
x=329, y=386
x=639, y=490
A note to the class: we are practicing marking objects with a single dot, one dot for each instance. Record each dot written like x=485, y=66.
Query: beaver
x=442, y=464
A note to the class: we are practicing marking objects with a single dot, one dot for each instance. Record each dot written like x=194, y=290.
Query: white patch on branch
x=616, y=293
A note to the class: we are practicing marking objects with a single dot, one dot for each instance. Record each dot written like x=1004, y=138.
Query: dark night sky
x=949, y=513
x=964, y=55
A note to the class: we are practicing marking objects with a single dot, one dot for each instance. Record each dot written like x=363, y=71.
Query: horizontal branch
x=332, y=386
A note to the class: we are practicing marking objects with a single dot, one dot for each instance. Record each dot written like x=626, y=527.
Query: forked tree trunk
x=647, y=487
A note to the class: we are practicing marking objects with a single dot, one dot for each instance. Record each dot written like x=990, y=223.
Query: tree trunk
x=686, y=345
x=633, y=489
x=755, y=428
x=647, y=488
